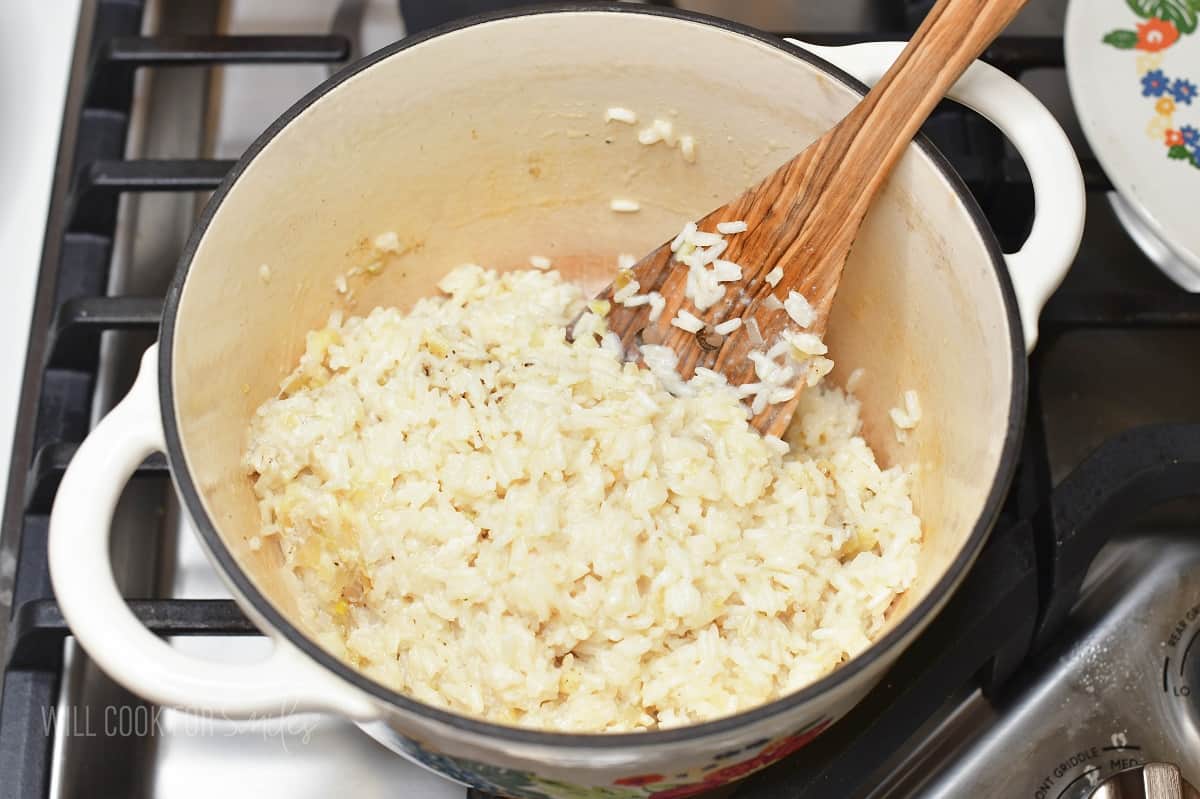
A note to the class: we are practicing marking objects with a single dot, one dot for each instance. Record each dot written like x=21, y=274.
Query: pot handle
x=286, y=681
x=1059, y=198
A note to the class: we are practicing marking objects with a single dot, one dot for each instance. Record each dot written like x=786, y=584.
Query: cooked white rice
x=908, y=416
x=799, y=310
x=657, y=303
x=687, y=322
x=618, y=114
x=490, y=519
x=687, y=148
x=728, y=326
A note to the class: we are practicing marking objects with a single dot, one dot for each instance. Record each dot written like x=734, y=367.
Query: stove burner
x=1151, y=781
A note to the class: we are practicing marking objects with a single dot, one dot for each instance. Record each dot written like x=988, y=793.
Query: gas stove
x=1070, y=654
x=1114, y=694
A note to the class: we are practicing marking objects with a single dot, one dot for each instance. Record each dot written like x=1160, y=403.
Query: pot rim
x=860, y=663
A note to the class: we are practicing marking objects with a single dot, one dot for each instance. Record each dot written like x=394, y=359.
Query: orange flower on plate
x=1174, y=138
x=1156, y=34
x=1165, y=106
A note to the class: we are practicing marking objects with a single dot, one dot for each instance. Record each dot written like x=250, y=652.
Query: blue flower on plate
x=1191, y=136
x=1184, y=91
x=1154, y=83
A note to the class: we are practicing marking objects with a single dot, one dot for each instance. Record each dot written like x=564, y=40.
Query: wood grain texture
x=805, y=216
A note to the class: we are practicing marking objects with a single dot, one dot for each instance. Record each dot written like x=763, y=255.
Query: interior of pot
x=489, y=144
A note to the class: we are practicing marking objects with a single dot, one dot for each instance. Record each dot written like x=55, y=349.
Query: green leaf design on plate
x=1141, y=7
x=1181, y=153
x=1122, y=39
x=1182, y=13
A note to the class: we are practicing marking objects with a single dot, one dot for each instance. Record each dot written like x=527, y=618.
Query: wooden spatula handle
x=833, y=182
x=953, y=35
x=801, y=220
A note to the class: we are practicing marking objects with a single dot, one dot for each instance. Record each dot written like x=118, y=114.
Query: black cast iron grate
x=70, y=313
x=1027, y=573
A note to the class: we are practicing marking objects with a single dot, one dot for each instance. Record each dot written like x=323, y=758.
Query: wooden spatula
x=803, y=217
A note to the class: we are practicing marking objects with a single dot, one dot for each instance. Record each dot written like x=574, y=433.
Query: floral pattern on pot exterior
x=1165, y=22
x=675, y=785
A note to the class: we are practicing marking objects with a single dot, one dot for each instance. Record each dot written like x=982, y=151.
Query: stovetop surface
x=1007, y=729
x=1114, y=693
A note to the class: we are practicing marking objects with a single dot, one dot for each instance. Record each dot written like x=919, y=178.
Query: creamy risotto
x=490, y=518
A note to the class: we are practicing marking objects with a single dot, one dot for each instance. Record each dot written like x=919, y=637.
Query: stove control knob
x=1149, y=781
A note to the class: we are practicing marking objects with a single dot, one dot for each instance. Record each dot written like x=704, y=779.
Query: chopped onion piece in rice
x=818, y=367
x=805, y=343
x=756, y=337
x=625, y=286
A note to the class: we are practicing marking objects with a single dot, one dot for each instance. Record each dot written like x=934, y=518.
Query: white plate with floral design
x=1134, y=72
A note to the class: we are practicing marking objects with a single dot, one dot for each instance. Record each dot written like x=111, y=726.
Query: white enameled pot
x=487, y=142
